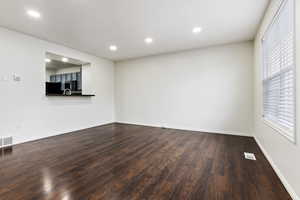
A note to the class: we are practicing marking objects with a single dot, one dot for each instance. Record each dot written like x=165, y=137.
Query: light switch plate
x=16, y=78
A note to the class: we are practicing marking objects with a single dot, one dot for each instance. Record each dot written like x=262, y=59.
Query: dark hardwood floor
x=128, y=162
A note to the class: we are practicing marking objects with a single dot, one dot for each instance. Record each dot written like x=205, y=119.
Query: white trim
x=281, y=131
x=8, y=145
x=17, y=142
x=276, y=15
x=271, y=124
x=188, y=128
x=284, y=181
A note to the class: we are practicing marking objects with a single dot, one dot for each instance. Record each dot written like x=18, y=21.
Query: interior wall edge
x=53, y=42
x=185, y=128
x=63, y=133
x=28, y=113
x=161, y=90
x=284, y=181
x=281, y=153
x=251, y=41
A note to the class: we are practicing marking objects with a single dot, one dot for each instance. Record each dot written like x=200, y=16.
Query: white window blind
x=279, y=70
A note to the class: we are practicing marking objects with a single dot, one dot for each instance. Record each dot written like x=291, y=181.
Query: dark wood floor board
x=130, y=162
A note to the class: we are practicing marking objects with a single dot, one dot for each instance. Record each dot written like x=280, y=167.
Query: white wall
x=283, y=154
x=207, y=89
x=88, y=77
x=26, y=113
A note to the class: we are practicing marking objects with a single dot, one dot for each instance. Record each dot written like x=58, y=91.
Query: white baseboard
x=62, y=132
x=189, y=129
x=287, y=186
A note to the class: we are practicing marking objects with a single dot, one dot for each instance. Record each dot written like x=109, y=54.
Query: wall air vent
x=249, y=156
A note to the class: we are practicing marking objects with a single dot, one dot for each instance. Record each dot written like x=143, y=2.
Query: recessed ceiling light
x=47, y=60
x=113, y=48
x=33, y=14
x=148, y=40
x=65, y=59
x=197, y=30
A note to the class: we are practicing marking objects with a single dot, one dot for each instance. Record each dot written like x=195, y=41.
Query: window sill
x=280, y=130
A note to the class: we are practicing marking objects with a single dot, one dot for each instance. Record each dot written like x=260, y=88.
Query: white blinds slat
x=278, y=69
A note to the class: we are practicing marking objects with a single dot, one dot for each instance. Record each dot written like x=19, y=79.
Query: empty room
x=149, y=100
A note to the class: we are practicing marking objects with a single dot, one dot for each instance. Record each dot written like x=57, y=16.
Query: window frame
x=290, y=135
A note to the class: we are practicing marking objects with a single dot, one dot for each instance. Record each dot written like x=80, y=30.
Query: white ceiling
x=91, y=26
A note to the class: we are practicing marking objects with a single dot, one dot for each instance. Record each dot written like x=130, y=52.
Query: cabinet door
x=63, y=81
x=74, y=76
x=79, y=80
x=68, y=77
x=58, y=78
x=52, y=78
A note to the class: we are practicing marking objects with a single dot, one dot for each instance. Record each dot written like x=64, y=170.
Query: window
x=279, y=71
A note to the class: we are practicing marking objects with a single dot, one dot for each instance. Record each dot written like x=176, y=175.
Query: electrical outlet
x=249, y=156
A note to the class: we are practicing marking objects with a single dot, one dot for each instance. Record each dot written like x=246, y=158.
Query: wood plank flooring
x=128, y=162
